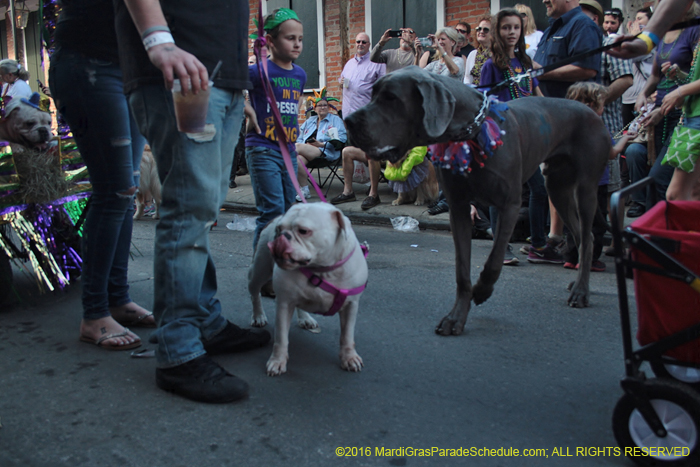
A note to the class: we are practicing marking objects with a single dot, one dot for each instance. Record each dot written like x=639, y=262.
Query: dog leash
x=260, y=45
x=340, y=295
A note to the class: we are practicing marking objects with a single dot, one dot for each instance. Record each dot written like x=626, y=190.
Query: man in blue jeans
x=194, y=169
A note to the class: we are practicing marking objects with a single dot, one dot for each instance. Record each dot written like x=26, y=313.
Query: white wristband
x=158, y=38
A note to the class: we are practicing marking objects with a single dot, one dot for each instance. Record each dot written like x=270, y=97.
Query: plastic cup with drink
x=191, y=109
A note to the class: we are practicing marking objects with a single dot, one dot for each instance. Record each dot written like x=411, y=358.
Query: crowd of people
x=575, y=27
x=111, y=82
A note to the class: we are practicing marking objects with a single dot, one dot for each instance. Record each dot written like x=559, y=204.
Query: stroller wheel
x=678, y=407
x=687, y=375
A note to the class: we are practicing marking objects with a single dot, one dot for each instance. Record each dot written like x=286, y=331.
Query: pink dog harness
x=340, y=294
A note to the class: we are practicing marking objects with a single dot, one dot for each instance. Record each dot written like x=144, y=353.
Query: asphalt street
x=529, y=373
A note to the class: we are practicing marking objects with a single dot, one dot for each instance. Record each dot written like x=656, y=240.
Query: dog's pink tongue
x=280, y=247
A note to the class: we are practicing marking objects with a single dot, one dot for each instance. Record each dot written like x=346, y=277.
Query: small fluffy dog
x=26, y=124
x=149, y=187
x=420, y=186
x=311, y=244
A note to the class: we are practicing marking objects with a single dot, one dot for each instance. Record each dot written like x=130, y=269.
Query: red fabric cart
x=666, y=305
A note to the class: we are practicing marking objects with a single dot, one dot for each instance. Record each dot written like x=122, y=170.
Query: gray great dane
x=412, y=107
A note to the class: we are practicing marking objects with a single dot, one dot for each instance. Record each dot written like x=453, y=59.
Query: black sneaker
x=234, y=339
x=202, y=380
x=636, y=210
x=547, y=254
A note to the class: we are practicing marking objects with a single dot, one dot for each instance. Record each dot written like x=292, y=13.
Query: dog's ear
x=438, y=105
x=338, y=217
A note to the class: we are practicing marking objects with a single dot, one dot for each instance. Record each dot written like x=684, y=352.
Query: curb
x=360, y=218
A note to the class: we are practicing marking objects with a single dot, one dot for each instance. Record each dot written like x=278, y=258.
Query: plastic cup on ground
x=191, y=110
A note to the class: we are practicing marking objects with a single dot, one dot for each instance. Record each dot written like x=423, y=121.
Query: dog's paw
x=450, y=327
x=481, y=292
x=276, y=366
x=258, y=321
x=579, y=297
x=350, y=361
x=306, y=321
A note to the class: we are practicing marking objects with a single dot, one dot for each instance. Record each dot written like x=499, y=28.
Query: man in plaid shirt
x=616, y=75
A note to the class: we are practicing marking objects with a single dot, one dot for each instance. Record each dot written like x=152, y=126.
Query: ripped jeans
x=195, y=174
x=89, y=94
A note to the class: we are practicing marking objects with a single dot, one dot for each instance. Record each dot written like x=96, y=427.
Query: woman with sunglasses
x=532, y=35
x=478, y=57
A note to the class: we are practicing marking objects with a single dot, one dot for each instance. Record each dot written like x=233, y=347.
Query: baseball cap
x=595, y=6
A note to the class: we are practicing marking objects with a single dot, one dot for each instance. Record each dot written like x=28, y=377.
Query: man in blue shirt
x=570, y=33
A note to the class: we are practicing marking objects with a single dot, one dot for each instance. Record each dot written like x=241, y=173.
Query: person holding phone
x=445, y=62
x=395, y=59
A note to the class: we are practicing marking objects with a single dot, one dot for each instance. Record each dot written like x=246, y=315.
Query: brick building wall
x=469, y=10
x=344, y=19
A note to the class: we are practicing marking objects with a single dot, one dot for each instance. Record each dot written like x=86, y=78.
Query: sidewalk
x=241, y=200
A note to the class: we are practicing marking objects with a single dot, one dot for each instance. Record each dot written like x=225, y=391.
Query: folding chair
x=333, y=166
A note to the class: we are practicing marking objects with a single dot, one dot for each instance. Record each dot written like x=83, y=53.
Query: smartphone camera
x=396, y=33
x=425, y=41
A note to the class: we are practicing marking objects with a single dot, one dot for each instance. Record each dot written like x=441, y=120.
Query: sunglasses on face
x=410, y=31
x=523, y=15
x=462, y=31
x=361, y=42
x=484, y=30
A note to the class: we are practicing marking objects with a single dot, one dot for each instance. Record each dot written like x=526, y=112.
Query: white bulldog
x=317, y=240
x=26, y=124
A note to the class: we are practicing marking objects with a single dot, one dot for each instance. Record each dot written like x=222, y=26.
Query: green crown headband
x=280, y=16
x=321, y=96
